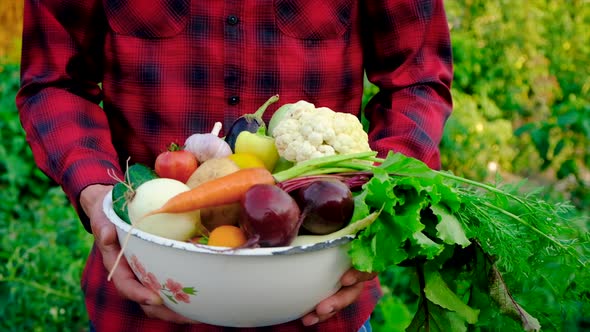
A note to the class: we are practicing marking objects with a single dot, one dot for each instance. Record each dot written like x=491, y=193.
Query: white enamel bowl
x=241, y=288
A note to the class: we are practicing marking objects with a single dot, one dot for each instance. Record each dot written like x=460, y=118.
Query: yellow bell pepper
x=260, y=145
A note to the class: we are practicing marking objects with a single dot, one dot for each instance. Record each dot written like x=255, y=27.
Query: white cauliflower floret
x=308, y=132
x=289, y=128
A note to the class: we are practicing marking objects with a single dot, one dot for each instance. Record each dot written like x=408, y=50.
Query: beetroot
x=327, y=206
x=270, y=215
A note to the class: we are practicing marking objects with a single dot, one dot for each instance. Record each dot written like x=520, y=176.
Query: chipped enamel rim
x=200, y=248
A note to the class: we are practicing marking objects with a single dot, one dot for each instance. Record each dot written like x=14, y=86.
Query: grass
x=42, y=252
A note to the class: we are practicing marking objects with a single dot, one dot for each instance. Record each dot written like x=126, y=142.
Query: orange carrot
x=223, y=190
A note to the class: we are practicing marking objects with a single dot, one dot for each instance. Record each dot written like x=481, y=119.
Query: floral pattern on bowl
x=173, y=290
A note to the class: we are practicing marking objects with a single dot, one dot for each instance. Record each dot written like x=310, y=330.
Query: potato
x=228, y=214
x=211, y=169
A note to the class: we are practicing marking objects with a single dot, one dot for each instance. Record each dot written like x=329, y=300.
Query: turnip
x=152, y=195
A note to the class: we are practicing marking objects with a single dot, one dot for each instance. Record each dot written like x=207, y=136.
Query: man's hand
x=352, y=285
x=105, y=236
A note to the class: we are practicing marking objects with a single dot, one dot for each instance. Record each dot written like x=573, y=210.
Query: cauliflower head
x=307, y=132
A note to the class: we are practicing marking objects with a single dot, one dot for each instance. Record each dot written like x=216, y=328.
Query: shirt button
x=232, y=20
x=233, y=100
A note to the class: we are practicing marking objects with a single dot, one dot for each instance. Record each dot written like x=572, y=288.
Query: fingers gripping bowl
x=241, y=288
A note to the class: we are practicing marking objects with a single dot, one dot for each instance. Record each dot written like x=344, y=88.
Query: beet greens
x=457, y=235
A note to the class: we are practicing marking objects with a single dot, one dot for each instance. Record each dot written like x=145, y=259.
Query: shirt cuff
x=83, y=173
x=429, y=156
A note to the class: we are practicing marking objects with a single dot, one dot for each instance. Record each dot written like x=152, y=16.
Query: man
x=166, y=69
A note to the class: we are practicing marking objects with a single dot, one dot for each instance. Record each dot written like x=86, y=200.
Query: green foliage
x=42, y=244
x=17, y=170
x=521, y=109
x=526, y=65
x=399, y=302
x=480, y=140
x=426, y=215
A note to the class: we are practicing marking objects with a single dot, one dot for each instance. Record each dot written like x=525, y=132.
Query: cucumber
x=135, y=176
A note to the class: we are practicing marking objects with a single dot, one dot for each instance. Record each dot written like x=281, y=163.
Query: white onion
x=152, y=195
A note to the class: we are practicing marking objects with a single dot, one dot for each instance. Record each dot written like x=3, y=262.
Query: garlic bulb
x=209, y=145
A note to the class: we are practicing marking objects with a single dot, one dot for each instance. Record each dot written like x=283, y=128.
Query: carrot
x=223, y=190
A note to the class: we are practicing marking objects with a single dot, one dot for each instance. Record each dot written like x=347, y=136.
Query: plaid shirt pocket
x=147, y=19
x=310, y=19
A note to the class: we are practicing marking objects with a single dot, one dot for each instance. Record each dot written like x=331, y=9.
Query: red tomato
x=175, y=164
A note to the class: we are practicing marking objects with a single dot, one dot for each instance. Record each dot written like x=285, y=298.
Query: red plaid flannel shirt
x=165, y=69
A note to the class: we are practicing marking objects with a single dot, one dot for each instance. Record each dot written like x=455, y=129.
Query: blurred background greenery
x=522, y=110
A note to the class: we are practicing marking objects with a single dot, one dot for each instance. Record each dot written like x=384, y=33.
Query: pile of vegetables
x=249, y=189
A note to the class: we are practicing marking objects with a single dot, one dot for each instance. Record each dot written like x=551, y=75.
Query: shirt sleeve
x=408, y=56
x=59, y=97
